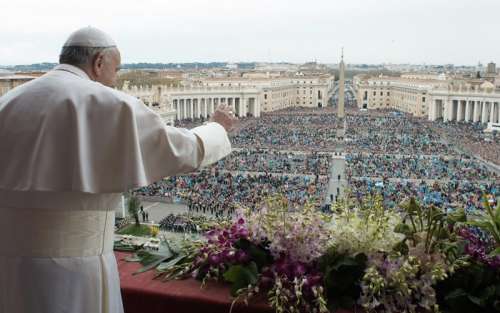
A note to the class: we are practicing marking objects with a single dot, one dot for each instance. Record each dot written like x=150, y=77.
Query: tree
x=133, y=208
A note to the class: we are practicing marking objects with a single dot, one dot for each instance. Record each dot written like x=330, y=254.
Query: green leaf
x=458, y=216
x=167, y=265
x=497, y=213
x=344, y=262
x=477, y=301
x=133, y=258
x=257, y=253
x=151, y=260
x=457, y=293
x=242, y=244
x=494, y=252
x=241, y=276
x=404, y=229
x=342, y=276
x=401, y=247
x=152, y=264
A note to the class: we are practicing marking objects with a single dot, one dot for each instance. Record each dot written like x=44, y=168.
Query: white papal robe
x=68, y=148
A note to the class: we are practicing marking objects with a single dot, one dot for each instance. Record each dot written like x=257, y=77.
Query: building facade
x=465, y=101
x=408, y=95
x=432, y=96
x=279, y=92
x=247, y=95
x=12, y=81
x=197, y=101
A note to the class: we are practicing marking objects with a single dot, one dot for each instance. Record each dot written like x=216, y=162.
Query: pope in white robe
x=69, y=147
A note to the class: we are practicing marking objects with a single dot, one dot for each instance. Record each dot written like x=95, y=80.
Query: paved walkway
x=338, y=180
x=158, y=210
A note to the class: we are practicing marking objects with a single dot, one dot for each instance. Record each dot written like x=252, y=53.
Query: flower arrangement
x=414, y=260
x=366, y=229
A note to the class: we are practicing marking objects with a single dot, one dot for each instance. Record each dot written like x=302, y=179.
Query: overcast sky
x=372, y=31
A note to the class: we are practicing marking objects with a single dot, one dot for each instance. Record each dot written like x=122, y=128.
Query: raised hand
x=224, y=116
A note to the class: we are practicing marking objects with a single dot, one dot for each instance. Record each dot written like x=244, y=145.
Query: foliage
x=140, y=231
x=471, y=289
x=342, y=277
x=400, y=284
x=489, y=221
x=476, y=286
x=425, y=226
x=133, y=205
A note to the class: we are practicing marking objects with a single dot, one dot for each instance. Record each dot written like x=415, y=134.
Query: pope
x=70, y=145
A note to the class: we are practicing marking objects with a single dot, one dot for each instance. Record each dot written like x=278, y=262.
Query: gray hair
x=79, y=56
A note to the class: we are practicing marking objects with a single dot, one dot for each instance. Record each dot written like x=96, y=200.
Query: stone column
x=484, y=113
x=175, y=106
x=242, y=107
x=467, y=111
x=191, y=106
x=454, y=111
x=475, y=114
x=492, y=112
x=498, y=112
x=184, y=109
x=432, y=110
x=197, y=108
x=447, y=109
x=204, y=107
x=257, y=106
x=464, y=109
x=459, y=110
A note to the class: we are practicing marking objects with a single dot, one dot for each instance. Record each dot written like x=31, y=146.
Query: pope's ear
x=98, y=64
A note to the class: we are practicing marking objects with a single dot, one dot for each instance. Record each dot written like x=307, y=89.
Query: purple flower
x=478, y=246
x=299, y=269
x=243, y=233
x=214, y=259
x=241, y=256
x=227, y=255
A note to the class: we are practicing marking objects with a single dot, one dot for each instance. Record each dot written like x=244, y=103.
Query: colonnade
x=196, y=107
x=478, y=110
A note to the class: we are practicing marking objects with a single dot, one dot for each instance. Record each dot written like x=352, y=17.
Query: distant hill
x=135, y=66
x=37, y=67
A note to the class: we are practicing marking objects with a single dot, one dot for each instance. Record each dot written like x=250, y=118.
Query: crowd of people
x=393, y=134
x=436, y=167
x=183, y=223
x=221, y=193
x=275, y=161
x=471, y=138
x=301, y=132
x=399, y=156
x=448, y=195
x=290, y=152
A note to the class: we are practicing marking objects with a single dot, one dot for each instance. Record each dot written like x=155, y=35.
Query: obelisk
x=340, y=104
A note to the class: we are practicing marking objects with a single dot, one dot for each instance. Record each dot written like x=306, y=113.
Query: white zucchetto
x=90, y=37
